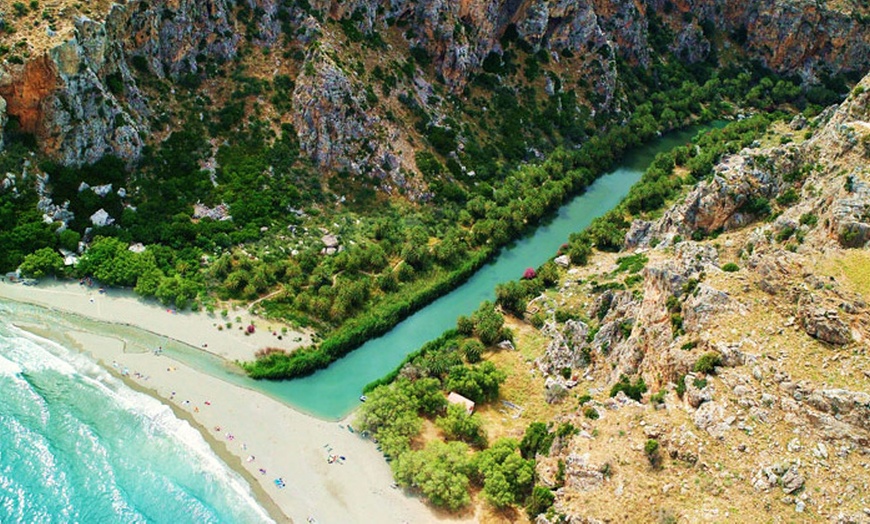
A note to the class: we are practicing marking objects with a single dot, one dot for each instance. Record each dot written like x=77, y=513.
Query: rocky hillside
x=97, y=79
x=743, y=310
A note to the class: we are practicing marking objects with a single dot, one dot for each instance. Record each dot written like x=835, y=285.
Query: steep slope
x=754, y=334
x=81, y=84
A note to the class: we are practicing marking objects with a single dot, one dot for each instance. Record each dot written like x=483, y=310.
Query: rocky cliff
x=754, y=335
x=87, y=90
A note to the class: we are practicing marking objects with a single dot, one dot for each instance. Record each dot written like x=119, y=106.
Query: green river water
x=334, y=392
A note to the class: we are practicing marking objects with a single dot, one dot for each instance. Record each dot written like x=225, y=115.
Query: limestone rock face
x=3, y=119
x=81, y=99
x=565, y=348
x=725, y=202
x=330, y=119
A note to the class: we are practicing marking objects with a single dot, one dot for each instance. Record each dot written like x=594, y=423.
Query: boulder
x=792, y=480
x=825, y=325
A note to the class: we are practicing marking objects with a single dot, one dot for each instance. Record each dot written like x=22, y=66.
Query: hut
x=456, y=398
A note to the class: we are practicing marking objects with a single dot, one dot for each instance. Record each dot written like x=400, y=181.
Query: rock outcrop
x=759, y=366
x=83, y=98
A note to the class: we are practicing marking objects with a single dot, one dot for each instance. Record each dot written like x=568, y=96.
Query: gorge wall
x=85, y=98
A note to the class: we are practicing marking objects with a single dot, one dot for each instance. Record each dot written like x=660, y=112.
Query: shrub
x=472, y=349
x=563, y=315
x=631, y=263
x=707, y=363
x=681, y=386
x=590, y=413
x=730, y=267
x=784, y=234
x=787, y=198
x=677, y=324
x=653, y=453
x=633, y=390
x=537, y=439
x=539, y=501
x=658, y=398
x=690, y=345
x=809, y=219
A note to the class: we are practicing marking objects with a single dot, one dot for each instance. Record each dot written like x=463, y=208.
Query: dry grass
x=850, y=268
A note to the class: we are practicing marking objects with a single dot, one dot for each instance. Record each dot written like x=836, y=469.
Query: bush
x=658, y=398
x=690, y=345
x=653, y=453
x=809, y=219
x=590, y=413
x=787, y=198
x=563, y=315
x=730, y=267
x=681, y=386
x=539, y=502
x=536, y=440
x=473, y=350
x=707, y=363
x=633, y=390
x=631, y=263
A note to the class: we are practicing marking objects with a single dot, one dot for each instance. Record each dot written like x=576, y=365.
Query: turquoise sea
x=77, y=445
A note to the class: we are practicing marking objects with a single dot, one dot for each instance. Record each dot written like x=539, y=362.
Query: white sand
x=265, y=433
x=199, y=330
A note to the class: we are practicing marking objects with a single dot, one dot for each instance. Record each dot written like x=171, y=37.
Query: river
x=333, y=392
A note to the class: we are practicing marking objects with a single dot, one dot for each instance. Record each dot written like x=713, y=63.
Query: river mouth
x=332, y=393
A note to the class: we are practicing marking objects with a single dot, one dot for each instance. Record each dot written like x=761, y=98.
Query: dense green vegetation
x=396, y=256
x=443, y=471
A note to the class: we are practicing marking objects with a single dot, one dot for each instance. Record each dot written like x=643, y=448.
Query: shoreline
x=249, y=431
x=219, y=448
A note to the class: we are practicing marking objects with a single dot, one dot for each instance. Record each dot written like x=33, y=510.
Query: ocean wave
x=24, y=352
x=9, y=368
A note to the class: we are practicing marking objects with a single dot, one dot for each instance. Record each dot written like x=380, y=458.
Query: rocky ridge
x=778, y=424
x=86, y=96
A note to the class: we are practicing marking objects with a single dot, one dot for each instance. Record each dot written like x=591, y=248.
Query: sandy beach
x=251, y=432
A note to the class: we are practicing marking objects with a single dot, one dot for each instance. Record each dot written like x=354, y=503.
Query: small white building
x=456, y=398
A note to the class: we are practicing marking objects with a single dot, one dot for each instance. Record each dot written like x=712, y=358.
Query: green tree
x=579, y=251
x=457, y=424
x=473, y=350
x=537, y=439
x=507, y=477
x=390, y=414
x=539, y=501
x=487, y=323
x=427, y=395
x=69, y=239
x=479, y=383
x=42, y=262
x=512, y=297
x=440, y=471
